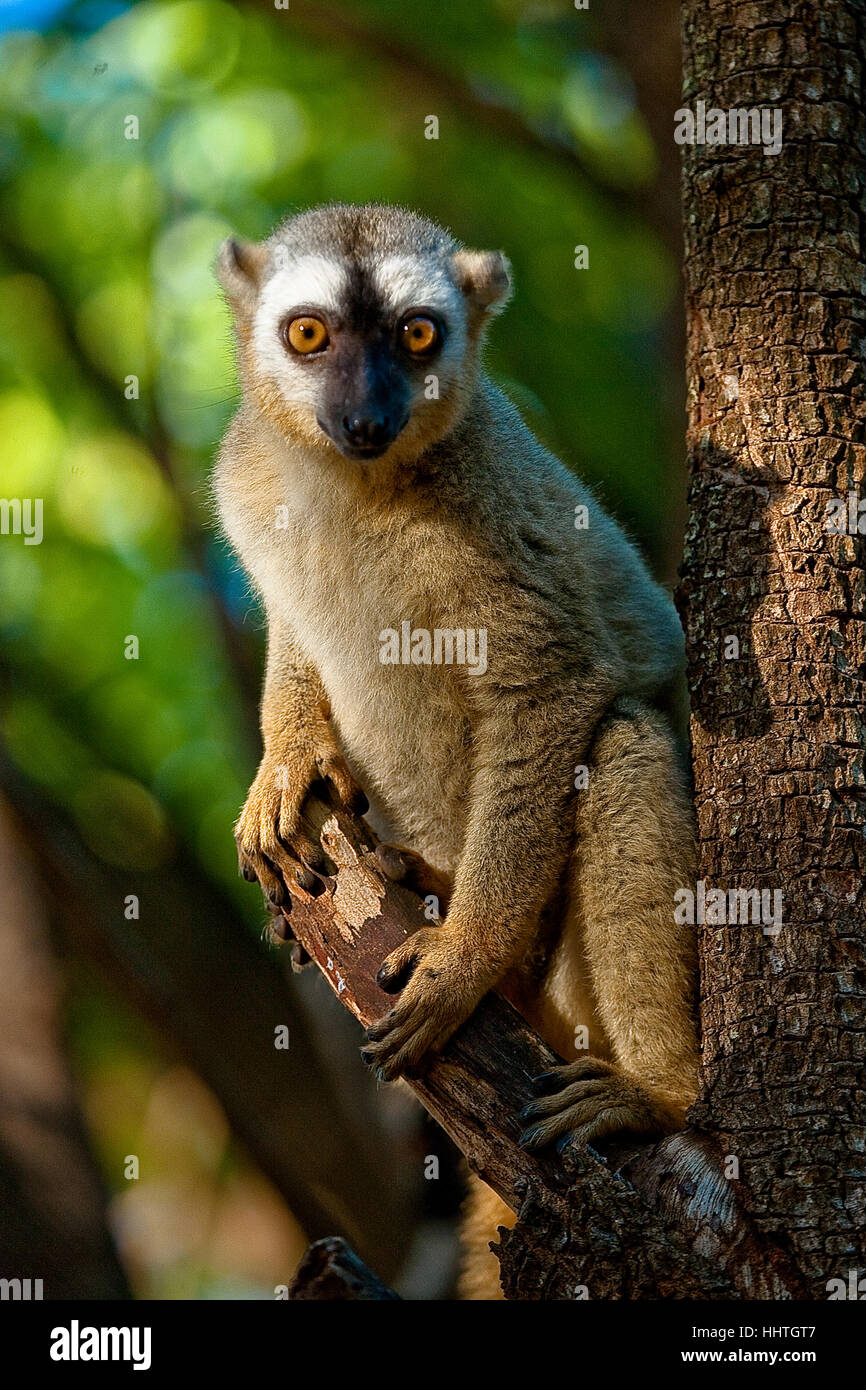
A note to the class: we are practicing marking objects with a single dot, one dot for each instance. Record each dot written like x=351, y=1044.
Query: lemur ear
x=484, y=277
x=240, y=265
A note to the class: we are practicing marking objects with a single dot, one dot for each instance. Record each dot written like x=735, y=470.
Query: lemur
x=375, y=477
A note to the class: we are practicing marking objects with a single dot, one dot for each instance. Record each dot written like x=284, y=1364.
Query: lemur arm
x=527, y=746
x=293, y=706
x=299, y=747
x=529, y=733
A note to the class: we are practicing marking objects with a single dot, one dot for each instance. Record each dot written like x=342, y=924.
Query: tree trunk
x=776, y=302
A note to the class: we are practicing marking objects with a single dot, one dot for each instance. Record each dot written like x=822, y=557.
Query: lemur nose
x=365, y=431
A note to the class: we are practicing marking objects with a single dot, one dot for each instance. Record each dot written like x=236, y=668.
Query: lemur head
x=358, y=327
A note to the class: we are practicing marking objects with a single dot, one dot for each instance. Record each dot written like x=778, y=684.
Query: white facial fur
x=318, y=281
x=405, y=282
x=314, y=281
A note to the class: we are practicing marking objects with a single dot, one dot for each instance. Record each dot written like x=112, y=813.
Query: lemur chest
x=369, y=623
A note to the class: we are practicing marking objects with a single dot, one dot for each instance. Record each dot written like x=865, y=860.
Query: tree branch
x=641, y=1220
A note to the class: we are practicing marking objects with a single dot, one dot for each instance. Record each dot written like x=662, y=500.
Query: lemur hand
x=440, y=985
x=273, y=844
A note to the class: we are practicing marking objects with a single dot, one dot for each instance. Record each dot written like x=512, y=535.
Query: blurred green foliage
x=106, y=263
x=108, y=274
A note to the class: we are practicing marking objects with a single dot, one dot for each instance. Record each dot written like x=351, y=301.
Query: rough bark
x=776, y=309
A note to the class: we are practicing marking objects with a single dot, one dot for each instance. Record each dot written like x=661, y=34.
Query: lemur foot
x=404, y=866
x=437, y=996
x=589, y=1100
x=275, y=844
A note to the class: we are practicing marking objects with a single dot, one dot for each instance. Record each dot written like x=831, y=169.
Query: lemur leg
x=634, y=847
x=483, y=1214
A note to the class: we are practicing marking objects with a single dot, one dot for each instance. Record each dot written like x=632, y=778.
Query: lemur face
x=358, y=343
x=360, y=326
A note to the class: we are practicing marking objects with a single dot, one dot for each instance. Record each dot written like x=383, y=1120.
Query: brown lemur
x=380, y=492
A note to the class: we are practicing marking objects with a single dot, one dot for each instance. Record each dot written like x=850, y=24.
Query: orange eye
x=305, y=334
x=419, y=335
